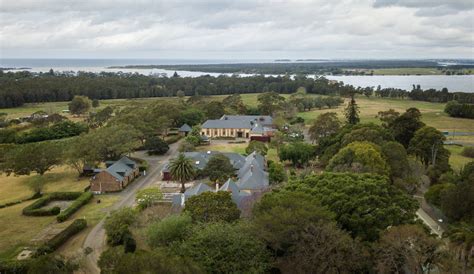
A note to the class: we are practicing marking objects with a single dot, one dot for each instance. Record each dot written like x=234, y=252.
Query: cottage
x=239, y=126
x=184, y=130
x=115, y=177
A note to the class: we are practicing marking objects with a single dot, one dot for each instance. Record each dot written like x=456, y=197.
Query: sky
x=237, y=29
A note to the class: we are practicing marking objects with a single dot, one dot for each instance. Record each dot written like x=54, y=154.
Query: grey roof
x=230, y=186
x=197, y=189
x=251, y=175
x=121, y=168
x=254, y=179
x=226, y=124
x=265, y=120
x=185, y=128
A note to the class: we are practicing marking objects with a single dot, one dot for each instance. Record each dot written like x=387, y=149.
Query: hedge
x=35, y=196
x=35, y=208
x=75, y=227
x=14, y=266
x=78, y=203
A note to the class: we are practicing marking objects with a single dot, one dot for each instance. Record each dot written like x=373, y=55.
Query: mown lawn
x=224, y=147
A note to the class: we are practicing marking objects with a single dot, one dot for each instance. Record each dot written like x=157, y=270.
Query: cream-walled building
x=238, y=126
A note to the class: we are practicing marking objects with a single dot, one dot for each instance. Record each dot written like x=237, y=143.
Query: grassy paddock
x=18, y=230
x=456, y=160
x=433, y=114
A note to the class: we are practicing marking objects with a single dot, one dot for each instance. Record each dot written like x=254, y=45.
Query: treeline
x=455, y=109
x=19, y=88
x=331, y=67
x=429, y=95
x=24, y=87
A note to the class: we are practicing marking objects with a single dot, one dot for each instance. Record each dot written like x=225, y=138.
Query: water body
x=454, y=83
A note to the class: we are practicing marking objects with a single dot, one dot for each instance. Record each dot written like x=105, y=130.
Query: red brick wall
x=106, y=181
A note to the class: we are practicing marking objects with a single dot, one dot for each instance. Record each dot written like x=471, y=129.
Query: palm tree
x=182, y=170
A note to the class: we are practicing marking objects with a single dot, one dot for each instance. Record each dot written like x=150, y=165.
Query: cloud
x=236, y=29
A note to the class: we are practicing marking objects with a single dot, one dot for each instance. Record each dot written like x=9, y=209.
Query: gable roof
x=260, y=119
x=254, y=179
x=121, y=168
x=211, y=124
x=196, y=190
x=185, y=128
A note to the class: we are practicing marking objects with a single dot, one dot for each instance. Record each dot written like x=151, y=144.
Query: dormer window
x=197, y=162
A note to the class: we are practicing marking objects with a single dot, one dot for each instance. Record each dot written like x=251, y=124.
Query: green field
x=456, y=160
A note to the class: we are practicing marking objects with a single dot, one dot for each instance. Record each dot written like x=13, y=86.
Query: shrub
x=129, y=243
x=35, y=196
x=53, y=244
x=13, y=266
x=169, y=230
x=78, y=203
x=468, y=152
x=117, y=224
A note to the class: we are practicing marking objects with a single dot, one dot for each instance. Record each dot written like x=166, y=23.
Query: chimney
x=182, y=199
x=217, y=187
x=251, y=168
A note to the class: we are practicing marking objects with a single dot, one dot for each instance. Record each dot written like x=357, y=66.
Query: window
x=207, y=132
x=215, y=132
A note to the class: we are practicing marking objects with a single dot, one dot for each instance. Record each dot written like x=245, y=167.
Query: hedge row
x=14, y=266
x=35, y=196
x=78, y=203
x=75, y=227
x=35, y=208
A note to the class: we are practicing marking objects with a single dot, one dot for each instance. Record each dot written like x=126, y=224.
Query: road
x=96, y=238
x=435, y=228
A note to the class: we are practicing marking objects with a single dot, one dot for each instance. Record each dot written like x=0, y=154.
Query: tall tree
x=352, y=111
x=405, y=126
x=370, y=202
x=219, y=168
x=256, y=146
x=427, y=144
x=408, y=248
x=360, y=157
x=182, y=170
x=235, y=103
x=79, y=105
x=269, y=102
x=34, y=157
x=325, y=125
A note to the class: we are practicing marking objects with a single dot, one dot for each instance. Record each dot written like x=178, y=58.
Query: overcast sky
x=237, y=29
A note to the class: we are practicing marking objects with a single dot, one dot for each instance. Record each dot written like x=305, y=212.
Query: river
x=454, y=83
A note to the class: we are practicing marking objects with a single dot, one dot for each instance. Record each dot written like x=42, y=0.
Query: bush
x=169, y=230
x=53, y=244
x=35, y=208
x=78, y=203
x=117, y=224
x=156, y=146
x=468, y=152
x=129, y=243
x=13, y=266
